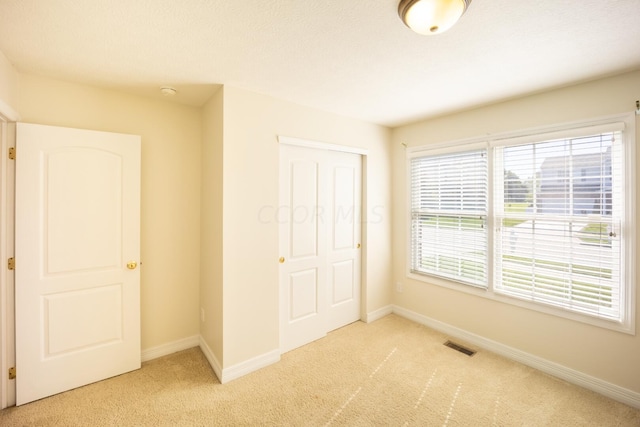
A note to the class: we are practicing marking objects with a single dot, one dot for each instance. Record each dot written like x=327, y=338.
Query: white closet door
x=319, y=216
x=344, y=237
x=303, y=307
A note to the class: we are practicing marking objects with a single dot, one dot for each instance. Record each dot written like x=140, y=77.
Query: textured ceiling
x=351, y=57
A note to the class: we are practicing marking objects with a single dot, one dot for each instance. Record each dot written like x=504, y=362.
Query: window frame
x=531, y=135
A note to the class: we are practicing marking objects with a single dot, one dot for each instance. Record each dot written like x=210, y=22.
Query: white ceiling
x=351, y=57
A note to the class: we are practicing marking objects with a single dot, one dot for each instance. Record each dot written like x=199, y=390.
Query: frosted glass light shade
x=431, y=16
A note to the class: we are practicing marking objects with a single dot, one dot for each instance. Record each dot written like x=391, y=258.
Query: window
x=449, y=215
x=545, y=220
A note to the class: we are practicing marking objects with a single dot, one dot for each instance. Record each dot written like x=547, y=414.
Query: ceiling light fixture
x=431, y=16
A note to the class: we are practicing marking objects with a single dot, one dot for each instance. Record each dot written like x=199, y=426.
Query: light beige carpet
x=392, y=372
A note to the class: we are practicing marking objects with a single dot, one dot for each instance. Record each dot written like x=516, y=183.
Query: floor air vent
x=460, y=348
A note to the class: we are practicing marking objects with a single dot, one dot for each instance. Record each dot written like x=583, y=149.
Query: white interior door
x=319, y=216
x=77, y=248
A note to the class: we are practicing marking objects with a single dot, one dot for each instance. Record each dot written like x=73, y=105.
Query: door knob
x=281, y=260
x=132, y=265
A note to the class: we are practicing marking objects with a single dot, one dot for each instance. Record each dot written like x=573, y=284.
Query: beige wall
x=170, y=205
x=252, y=123
x=211, y=255
x=605, y=354
x=8, y=85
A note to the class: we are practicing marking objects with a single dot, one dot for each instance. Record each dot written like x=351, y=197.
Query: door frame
x=364, y=153
x=8, y=117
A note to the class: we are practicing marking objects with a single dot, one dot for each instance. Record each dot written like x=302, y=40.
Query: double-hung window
x=449, y=208
x=543, y=220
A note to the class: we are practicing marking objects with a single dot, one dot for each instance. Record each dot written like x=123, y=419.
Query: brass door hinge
x=12, y=153
x=12, y=373
x=11, y=263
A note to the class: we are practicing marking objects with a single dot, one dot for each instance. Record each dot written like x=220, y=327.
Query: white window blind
x=449, y=216
x=559, y=209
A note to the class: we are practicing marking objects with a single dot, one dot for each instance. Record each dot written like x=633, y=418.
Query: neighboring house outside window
x=592, y=191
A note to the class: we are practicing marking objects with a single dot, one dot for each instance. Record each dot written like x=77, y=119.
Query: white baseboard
x=379, y=313
x=213, y=360
x=613, y=391
x=241, y=369
x=224, y=375
x=169, y=348
x=248, y=366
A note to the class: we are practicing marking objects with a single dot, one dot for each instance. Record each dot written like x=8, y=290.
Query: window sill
x=627, y=327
